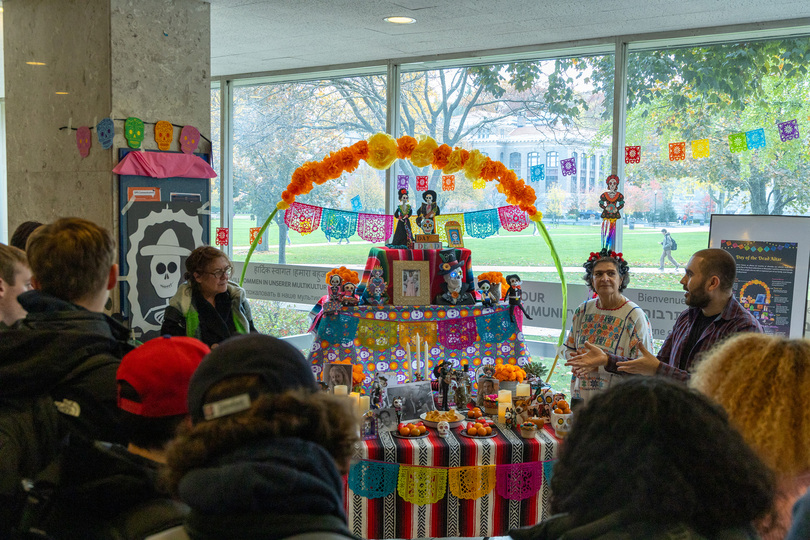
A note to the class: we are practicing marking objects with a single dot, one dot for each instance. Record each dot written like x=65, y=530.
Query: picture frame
x=454, y=236
x=417, y=398
x=486, y=385
x=411, y=283
x=386, y=419
x=338, y=374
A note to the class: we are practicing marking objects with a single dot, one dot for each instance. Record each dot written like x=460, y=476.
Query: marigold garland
x=380, y=152
x=345, y=275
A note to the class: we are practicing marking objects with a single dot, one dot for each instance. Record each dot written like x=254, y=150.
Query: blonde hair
x=10, y=259
x=763, y=382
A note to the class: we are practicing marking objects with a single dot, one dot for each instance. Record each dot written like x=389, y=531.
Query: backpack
x=674, y=245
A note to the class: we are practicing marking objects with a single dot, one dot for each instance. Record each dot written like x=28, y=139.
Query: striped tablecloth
x=490, y=515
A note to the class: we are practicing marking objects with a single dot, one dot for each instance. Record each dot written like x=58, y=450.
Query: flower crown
x=606, y=253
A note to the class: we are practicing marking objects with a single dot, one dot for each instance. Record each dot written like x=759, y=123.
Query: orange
x=404, y=431
x=415, y=431
x=481, y=431
x=472, y=430
x=489, y=430
x=422, y=430
x=562, y=404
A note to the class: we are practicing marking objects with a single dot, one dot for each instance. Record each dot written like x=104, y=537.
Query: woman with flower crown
x=610, y=321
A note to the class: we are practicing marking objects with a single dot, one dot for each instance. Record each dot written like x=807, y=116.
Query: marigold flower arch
x=381, y=150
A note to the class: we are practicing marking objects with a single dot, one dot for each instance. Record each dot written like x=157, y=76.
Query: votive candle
x=340, y=390
x=355, y=399
x=523, y=390
x=505, y=396
x=502, y=411
x=365, y=403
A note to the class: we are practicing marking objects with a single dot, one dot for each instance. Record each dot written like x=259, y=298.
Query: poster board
x=773, y=257
x=161, y=220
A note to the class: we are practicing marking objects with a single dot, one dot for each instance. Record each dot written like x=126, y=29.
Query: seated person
x=15, y=279
x=763, y=382
x=649, y=458
x=208, y=306
x=266, y=450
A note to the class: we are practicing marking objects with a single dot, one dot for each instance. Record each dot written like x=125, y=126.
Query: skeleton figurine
x=455, y=291
x=165, y=271
x=488, y=297
x=375, y=293
x=332, y=305
x=347, y=296
x=442, y=375
x=514, y=295
x=443, y=428
x=428, y=210
x=398, y=407
x=463, y=388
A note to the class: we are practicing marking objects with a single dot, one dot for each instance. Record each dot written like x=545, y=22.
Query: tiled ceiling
x=251, y=36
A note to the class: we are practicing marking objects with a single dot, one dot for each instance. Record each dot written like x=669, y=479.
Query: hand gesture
x=646, y=364
x=587, y=359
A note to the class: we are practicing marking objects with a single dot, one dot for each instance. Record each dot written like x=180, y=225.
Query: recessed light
x=400, y=20
x=36, y=63
x=62, y=93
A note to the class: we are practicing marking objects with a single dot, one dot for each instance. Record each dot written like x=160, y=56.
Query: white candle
x=418, y=355
x=365, y=403
x=354, y=397
x=410, y=363
x=340, y=390
x=523, y=390
x=505, y=396
x=426, y=359
x=502, y=411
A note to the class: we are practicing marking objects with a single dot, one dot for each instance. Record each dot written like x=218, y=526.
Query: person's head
x=257, y=387
x=402, y=195
x=606, y=272
x=763, y=382
x=709, y=275
x=208, y=270
x=664, y=232
x=385, y=416
x=15, y=279
x=73, y=259
x=429, y=196
x=22, y=232
x=661, y=453
x=153, y=388
x=337, y=376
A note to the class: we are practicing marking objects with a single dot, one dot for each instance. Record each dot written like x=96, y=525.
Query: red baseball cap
x=159, y=370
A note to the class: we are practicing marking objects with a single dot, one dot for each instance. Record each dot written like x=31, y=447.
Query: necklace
x=624, y=301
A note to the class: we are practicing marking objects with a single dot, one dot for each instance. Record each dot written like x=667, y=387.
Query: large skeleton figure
x=165, y=270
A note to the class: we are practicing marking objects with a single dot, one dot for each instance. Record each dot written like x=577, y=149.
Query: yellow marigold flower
x=456, y=161
x=422, y=155
x=474, y=164
x=382, y=151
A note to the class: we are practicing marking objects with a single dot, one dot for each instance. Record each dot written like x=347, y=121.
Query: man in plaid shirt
x=713, y=315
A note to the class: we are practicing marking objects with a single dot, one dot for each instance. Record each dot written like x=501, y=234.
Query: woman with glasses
x=208, y=306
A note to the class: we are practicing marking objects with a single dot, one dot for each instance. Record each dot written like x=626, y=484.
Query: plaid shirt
x=733, y=319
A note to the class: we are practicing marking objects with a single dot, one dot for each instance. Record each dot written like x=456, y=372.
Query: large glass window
x=216, y=101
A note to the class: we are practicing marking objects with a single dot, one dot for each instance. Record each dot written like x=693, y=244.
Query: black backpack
x=674, y=244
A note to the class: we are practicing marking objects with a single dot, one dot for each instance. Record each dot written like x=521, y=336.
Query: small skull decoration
x=189, y=139
x=562, y=424
x=105, y=131
x=443, y=428
x=164, y=132
x=83, y=141
x=133, y=131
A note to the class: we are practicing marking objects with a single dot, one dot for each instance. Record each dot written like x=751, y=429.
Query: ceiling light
x=400, y=20
x=62, y=93
x=36, y=63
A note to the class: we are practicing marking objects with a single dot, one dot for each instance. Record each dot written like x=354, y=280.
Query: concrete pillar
x=102, y=58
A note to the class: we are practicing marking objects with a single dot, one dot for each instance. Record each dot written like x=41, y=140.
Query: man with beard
x=713, y=315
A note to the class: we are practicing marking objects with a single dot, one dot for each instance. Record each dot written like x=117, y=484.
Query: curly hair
x=660, y=453
x=610, y=256
x=322, y=418
x=763, y=382
x=345, y=275
x=198, y=260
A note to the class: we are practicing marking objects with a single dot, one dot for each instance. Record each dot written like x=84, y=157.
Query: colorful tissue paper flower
x=441, y=156
x=382, y=151
x=422, y=155
x=360, y=149
x=332, y=167
x=456, y=161
x=475, y=162
x=405, y=146
x=700, y=149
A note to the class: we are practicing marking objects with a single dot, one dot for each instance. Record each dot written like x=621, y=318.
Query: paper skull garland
x=105, y=130
x=133, y=132
x=83, y=141
x=189, y=139
x=164, y=133
x=443, y=428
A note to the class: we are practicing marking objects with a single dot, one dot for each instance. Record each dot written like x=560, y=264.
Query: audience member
x=15, y=279
x=610, y=313
x=22, y=232
x=763, y=382
x=266, y=451
x=713, y=314
x=108, y=491
x=800, y=527
x=650, y=458
x=59, y=362
x=208, y=306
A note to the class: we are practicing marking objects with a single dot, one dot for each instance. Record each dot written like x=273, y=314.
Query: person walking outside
x=668, y=243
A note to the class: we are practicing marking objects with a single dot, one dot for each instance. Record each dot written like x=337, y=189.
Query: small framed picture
x=413, y=398
x=486, y=386
x=411, y=283
x=454, y=238
x=386, y=419
x=338, y=374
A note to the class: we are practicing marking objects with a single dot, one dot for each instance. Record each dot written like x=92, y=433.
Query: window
x=514, y=162
x=551, y=159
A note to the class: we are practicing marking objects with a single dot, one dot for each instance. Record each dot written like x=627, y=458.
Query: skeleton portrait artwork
x=161, y=236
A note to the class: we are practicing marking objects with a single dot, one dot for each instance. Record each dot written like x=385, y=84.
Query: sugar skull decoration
x=133, y=132
x=105, y=130
x=164, y=132
x=189, y=139
x=561, y=424
x=83, y=141
x=443, y=428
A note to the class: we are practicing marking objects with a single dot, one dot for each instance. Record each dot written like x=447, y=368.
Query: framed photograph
x=411, y=283
x=337, y=374
x=486, y=385
x=386, y=419
x=454, y=238
x=416, y=398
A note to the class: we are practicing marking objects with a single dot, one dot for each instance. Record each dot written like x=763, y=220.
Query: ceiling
x=252, y=36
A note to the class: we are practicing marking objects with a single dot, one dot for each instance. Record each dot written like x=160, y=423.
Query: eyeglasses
x=227, y=271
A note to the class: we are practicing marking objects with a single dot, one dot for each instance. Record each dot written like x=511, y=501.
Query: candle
x=410, y=364
x=523, y=390
x=340, y=390
x=365, y=403
x=426, y=358
x=505, y=396
x=418, y=343
x=502, y=411
x=355, y=399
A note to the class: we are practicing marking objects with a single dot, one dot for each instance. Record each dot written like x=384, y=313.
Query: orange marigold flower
x=489, y=171
x=360, y=149
x=333, y=167
x=405, y=146
x=441, y=156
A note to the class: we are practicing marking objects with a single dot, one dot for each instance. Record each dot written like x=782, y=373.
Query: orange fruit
x=472, y=430
x=558, y=411
x=404, y=431
x=422, y=430
x=415, y=431
x=489, y=430
x=562, y=404
x=566, y=410
x=481, y=431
